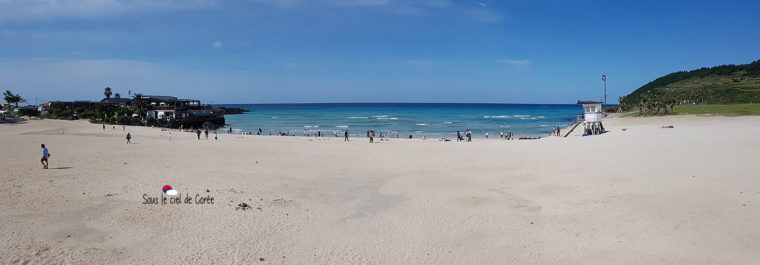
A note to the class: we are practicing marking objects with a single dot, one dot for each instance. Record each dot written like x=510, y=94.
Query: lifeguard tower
x=592, y=117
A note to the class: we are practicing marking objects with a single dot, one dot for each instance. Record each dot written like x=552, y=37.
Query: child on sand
x=129, y=138
x=45, y=155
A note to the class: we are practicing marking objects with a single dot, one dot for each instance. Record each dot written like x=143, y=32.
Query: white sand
x=688, y=195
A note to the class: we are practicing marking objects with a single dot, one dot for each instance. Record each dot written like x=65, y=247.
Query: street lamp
x=604, y=78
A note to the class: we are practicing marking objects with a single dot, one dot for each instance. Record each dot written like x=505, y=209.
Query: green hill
x=725, y=84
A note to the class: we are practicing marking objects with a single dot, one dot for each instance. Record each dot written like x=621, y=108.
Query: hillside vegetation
x=725, y=84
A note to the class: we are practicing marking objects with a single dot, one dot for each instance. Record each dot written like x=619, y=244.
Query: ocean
x=432, y=120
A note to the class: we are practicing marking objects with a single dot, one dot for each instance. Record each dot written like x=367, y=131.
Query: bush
x=89, y=114
x=29, y=111
x=123, y=120
x=137, y=121
x=151, y=121
x=208, y=126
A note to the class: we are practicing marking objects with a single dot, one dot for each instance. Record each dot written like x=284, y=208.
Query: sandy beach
x=643, y=195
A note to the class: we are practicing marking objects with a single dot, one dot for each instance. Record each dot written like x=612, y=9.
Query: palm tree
x=107, y=92
x=138, y=105
x=621, y=104
x=13, y=98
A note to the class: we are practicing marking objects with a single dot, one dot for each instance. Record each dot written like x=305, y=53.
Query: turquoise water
x=432, y=120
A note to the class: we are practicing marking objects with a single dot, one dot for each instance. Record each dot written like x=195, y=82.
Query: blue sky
x=281, y=51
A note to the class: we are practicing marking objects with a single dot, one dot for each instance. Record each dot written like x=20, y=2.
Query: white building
x=169, y=108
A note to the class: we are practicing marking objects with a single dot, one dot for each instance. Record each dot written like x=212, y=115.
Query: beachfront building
x=186, y=112
x=592, y=117
x=169, y=108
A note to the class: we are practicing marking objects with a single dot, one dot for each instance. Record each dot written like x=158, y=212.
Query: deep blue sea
x=432, y=120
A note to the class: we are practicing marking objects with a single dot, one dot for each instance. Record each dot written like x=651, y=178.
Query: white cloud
x=53, y=9
x=438, y=3
x=482, y=4
x=515, y=62
x=217, y=44
x=484, y=15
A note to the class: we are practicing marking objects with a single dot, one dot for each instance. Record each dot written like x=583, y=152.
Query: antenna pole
x=605, y=91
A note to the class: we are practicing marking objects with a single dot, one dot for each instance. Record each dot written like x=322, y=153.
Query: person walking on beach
x=129, y=138
x=558, y=132
x=486, y=134
x=468, y=133
x=345, y=136
x=45, y=156
x=104, y=127
x=198, y=132
x=372, y=136
x=459, y=136
x=205, y=131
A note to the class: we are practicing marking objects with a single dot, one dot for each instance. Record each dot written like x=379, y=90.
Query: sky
x=313, y=51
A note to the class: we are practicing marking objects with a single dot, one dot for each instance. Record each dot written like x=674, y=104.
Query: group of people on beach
x=506, y=135
x=248, y=132
x=555, y=130
x=467, y=134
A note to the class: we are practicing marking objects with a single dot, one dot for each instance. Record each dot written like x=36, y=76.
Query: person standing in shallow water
x=45, y=156
x=129, y=138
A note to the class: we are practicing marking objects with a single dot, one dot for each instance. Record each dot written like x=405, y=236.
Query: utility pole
x=604, y=78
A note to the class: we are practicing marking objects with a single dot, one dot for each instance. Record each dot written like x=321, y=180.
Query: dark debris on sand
x=243, y=206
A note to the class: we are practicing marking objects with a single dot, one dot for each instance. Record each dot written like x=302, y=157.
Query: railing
x=162, y=108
